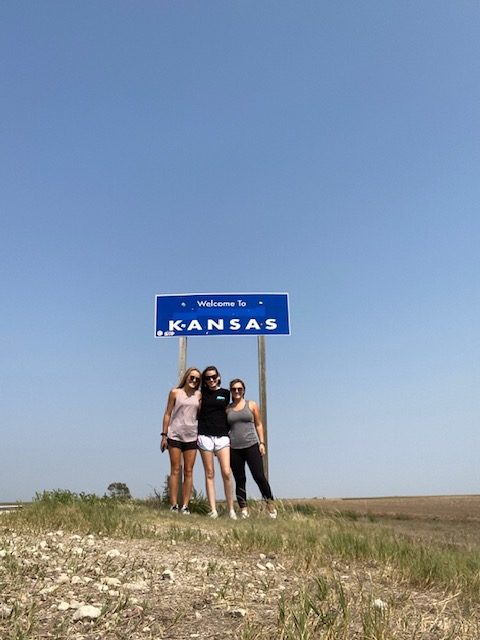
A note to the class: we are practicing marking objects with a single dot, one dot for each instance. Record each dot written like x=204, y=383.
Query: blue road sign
x=221, y=314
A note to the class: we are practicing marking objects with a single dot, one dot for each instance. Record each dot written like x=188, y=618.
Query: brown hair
x=204, y=374
x=238, y=380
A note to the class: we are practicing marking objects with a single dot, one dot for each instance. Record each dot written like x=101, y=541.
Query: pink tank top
x=183, y=422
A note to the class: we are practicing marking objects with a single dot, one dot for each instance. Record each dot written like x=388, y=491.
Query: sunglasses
x=193, y=379
x=211, y=377
x=236, y=389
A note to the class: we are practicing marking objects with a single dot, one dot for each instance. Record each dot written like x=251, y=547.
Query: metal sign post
x=262, y=391
x=182, y=367
x=182, y=356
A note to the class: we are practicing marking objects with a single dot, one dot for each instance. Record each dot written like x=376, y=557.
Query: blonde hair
x=186, y=375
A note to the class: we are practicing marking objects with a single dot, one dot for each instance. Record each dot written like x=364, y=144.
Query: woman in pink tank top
x=179, y=436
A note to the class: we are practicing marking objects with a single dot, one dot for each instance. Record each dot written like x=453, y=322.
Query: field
x=369, y=569
x=450, y=508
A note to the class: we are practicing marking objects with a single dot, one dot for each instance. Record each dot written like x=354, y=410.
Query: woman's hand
x=163, y=444
x=262, y=448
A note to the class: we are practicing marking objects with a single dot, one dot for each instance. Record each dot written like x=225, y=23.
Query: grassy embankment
x=358, y=578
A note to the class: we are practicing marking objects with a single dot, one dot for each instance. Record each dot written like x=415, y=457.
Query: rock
x=270, y=566
x=87, y=612
x=238, y=613
x=63, y=578
x=112, y=582
x=134, y=612
x=63, y=606
x=113, y=553
x=380, y=604
x=167, y=575
x=5, y=611
x=141, y=585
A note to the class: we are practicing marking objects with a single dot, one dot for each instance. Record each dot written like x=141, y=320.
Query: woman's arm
x=166, y=418
x=257, y=419
x=199, y=396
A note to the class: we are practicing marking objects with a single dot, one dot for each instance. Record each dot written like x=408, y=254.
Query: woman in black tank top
x=213, y=438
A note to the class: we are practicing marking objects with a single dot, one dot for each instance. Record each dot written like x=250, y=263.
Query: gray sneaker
x=174, y=508
x=185, y=510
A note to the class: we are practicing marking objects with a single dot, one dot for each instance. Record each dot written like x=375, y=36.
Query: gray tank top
x=183, y=421
x=242, y=427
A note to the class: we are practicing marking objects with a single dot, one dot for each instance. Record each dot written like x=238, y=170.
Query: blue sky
x=325, y=149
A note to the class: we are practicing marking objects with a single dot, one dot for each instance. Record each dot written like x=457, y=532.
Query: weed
x=211, y=567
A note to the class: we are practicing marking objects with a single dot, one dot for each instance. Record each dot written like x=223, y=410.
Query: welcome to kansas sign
x=221, y=314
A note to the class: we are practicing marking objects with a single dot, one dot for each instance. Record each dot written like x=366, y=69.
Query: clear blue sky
x=326, y=149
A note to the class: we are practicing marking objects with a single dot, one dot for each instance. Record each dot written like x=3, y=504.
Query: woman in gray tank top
x=247, y=446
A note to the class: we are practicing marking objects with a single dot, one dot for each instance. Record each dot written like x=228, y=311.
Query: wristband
x=262, y=443
x=164, y=435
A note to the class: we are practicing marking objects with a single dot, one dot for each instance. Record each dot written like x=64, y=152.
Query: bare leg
x=175, y=464
x=188, y=462
x=207, y=459
x=224, y=459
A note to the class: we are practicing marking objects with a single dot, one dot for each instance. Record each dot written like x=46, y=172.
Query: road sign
x=221, y=314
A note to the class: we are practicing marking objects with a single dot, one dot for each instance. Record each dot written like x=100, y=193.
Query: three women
x=205, y=418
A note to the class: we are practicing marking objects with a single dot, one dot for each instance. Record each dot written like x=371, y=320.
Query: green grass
x=81, y=514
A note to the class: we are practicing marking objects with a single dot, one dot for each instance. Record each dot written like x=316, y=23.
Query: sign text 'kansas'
x=221, y=314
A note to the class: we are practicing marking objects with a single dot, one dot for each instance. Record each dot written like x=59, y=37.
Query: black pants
x=251, y=456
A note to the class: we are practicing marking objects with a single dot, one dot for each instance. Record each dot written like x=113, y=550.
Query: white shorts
x=213, y=443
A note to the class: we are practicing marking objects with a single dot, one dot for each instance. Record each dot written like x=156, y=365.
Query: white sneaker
x=213, y=515
x=273, y=514
x=232, y=515
x=244, y=514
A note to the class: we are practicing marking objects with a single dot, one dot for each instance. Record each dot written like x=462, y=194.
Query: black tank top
x=212, y=419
